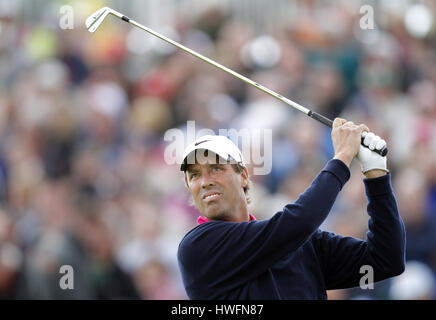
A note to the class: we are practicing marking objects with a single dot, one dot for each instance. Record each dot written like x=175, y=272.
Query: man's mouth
x=211, y=196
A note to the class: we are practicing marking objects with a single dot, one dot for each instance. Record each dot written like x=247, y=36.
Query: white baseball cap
x=220, y=145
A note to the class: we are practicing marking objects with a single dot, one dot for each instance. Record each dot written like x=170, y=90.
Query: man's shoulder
x=208, y=233
x=192, y=233
x=202, y=230
x=201, y=238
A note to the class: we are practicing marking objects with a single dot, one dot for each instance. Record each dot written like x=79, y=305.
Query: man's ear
x=186, y=180
x=244, y=179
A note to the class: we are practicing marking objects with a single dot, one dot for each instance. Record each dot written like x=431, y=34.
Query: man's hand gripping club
x=346, y=137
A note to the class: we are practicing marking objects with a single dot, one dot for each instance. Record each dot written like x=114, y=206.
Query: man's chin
x=214, y=215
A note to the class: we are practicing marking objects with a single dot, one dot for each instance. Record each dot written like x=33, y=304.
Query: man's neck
x=241, y=214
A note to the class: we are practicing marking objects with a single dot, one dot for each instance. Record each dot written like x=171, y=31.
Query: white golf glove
x=370, y=160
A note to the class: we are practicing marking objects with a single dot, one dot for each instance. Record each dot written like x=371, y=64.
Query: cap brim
x=220, y=153
x=210, y=145
x=219, y=145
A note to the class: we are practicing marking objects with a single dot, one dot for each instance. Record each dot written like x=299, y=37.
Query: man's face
x=217, y=189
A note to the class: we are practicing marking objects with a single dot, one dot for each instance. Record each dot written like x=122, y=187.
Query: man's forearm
x=386, y=234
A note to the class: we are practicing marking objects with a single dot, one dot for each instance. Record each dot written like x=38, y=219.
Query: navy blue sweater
x=287, y=256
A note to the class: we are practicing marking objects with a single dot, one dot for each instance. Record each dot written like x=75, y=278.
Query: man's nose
x=206, y=180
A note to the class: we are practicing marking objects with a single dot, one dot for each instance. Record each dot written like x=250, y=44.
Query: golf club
x=96, y=19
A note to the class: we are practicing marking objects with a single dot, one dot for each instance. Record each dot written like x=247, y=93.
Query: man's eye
x=193, y=175
x=217, y=168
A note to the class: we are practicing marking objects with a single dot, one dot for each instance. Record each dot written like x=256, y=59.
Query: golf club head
x=96, y=19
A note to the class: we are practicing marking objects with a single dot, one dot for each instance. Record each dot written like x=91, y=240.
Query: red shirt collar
x=202, y=219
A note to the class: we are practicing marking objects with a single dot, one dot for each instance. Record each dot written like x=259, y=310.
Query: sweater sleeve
x=218, y=256
x=383, y=250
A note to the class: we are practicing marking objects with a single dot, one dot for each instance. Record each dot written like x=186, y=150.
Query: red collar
x=202, y=219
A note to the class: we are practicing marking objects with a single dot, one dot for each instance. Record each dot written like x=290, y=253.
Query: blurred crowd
x=83, y=180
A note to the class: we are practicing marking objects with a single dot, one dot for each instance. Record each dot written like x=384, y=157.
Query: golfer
x=231, y=255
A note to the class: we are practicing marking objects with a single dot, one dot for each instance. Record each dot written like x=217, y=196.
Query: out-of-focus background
x=83, y=181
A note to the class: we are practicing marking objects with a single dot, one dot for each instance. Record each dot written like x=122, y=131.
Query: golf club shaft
x=289, y=102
